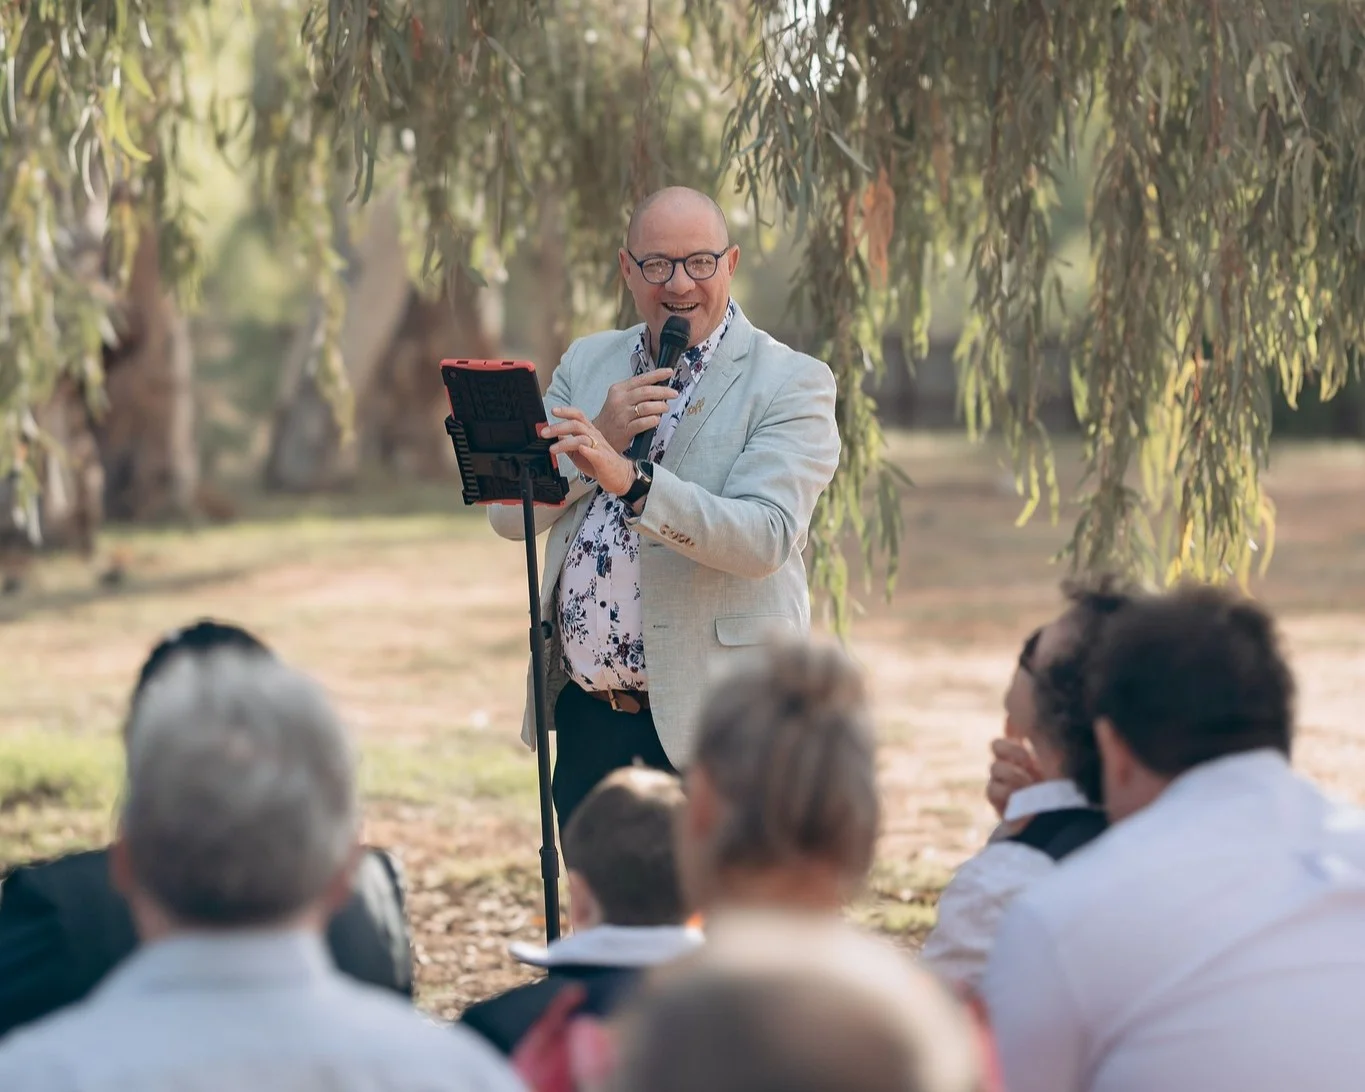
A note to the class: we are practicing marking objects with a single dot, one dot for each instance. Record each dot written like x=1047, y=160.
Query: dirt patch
x=417, y=627
x=471, y=892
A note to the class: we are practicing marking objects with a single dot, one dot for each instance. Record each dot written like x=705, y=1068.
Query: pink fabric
x=992, y=1079
x=564, y=1052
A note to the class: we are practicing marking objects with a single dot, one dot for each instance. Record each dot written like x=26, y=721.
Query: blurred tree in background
x=877, y=143
x=1225, y=217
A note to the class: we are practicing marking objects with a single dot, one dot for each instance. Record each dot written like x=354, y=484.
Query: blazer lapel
x=611, y=368
x=721, y=372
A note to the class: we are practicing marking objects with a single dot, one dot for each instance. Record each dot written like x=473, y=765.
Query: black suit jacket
x=63, y=927
x=504, y=1019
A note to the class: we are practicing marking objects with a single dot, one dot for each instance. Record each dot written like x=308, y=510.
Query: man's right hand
x=633, y=406
x=1013, y=768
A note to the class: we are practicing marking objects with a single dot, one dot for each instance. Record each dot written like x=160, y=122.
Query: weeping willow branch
x=1226, y=217
x=1225, y=223
x=92, y=96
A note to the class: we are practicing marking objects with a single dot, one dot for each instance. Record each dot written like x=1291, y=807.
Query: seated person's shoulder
x=44, y=1044
x=84, y=872
x=371, y=1019
x=1109, y=874
x=505, y=1018
x=71, y=897
x=369, y=936
x=62, y=928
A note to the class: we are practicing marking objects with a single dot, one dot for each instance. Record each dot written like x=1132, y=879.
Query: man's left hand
x=579, y=439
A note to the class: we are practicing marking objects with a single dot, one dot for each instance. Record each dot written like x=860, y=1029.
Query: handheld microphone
x=673, y=339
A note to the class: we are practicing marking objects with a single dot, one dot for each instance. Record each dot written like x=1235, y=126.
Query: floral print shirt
x=601, y=622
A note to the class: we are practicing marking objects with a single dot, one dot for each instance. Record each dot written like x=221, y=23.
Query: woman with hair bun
x=782, y=805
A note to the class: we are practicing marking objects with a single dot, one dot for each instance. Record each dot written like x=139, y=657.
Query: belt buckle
x=611, y=700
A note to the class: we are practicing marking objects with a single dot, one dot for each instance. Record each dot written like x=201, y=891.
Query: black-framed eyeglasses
x=700, y=266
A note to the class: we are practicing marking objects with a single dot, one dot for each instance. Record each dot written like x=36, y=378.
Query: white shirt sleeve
x=971, y=906
x=1035, y=1016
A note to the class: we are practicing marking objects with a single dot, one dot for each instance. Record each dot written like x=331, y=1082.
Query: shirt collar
x=695, y=359
x=1247, y=767
x=1055, y=795
x=613, y=946
x=204, y=960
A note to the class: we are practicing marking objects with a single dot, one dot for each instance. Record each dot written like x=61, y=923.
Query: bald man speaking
x=657, y=566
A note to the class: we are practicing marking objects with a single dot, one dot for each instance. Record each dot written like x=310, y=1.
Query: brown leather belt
x=623, y=701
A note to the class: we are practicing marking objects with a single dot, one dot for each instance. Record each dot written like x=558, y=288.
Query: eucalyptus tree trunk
x=146, y=432
x=401, y=414
x=308, y=450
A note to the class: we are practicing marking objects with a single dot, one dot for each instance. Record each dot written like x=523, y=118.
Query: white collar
x=227, y=958
x=1055, y=795
x=1265, y=764
x=612, y=946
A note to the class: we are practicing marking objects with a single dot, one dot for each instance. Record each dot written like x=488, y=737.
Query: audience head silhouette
x=618, y=850
x=783, y=807
x=240, y=805
x=804, y=1005
x=1057, y=667
x=1184, y=679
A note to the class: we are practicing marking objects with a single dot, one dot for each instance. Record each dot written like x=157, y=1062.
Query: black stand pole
x=549, y=856
x=495, y=423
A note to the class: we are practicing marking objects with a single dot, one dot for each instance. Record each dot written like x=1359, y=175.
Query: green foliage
x=38, y=770
x=92, y=96
x=1225, y=222
x=493, y=108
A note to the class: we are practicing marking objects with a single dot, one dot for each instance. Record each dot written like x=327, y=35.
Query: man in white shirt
x=1047, y=716
x=237, y=838
x=1214, y=938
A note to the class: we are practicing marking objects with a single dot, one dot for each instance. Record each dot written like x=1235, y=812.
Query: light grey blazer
x=726, y=520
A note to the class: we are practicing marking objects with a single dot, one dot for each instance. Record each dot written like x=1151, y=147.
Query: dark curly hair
x=1065, y=715
x=1192, y=676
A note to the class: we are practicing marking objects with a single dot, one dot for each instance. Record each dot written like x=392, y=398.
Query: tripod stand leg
x=549, y=855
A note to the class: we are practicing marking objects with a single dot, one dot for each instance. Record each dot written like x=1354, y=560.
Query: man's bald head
x=681, y=200
x=678, y=223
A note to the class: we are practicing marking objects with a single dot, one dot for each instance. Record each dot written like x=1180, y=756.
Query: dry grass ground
x=412, y=614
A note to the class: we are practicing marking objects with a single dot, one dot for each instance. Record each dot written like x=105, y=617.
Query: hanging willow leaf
x=1197, y=234
x=1226, y=223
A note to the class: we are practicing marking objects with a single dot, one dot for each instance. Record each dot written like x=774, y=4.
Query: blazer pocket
x=752, y=629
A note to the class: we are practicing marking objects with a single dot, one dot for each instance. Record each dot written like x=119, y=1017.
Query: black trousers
x=594, y=739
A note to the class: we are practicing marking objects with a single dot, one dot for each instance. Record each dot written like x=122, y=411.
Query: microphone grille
x=677, y=330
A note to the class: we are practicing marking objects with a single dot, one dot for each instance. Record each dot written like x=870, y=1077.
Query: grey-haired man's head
x=240, y=805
